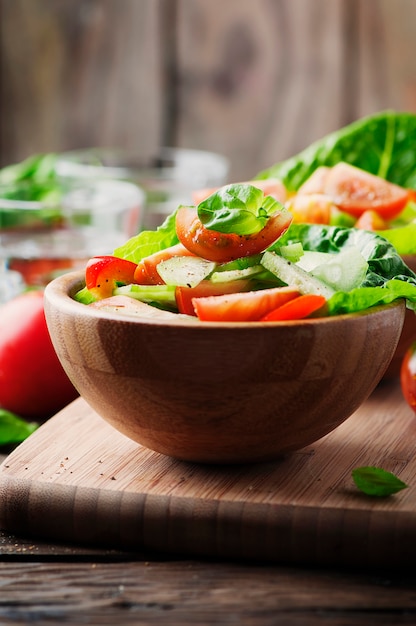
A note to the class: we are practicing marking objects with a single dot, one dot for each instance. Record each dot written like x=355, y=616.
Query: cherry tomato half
x=408, y=376
x=223, y=247
x=354, y=191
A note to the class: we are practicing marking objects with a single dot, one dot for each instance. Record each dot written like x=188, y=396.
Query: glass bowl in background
x=40, y=239
x=168, y=179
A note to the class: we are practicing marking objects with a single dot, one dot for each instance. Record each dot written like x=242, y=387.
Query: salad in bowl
x=239, y=256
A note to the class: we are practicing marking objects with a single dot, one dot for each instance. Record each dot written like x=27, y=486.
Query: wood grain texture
x=257, y=81
x=220, y=392
x=195, y=593
x=79, y=74
x=76, y=479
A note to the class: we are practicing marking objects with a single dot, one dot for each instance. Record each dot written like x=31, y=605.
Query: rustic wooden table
x=50, y=583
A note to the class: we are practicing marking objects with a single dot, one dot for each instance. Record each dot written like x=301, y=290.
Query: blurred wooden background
x=256, y=80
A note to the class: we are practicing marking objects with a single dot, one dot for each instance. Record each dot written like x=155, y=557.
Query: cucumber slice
x=230, y=275
x=343, y=271
x=185, y=271
x=163, y=294
x=295, y=276
x=313, y=258
x=292, y=252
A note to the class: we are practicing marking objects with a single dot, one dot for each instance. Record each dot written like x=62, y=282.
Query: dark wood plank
x=77, y=74
x=257, y=81
x=263, y=80
x=188, y=592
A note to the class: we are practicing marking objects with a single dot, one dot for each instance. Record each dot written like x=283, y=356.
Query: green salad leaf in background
x=32, y=180
x=383, y=144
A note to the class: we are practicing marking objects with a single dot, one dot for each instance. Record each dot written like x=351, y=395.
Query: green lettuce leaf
x=148, y=242
x=388, y=278
x=383, y=144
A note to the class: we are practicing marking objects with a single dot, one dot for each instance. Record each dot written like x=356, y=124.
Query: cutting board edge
x=176, y=526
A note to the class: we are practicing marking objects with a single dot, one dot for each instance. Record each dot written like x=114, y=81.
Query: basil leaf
x=237, y=208
x=13, y=429
x=375, y=481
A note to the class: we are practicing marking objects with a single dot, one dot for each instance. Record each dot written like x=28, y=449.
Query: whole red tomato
x=33, y=383
x=408, y=376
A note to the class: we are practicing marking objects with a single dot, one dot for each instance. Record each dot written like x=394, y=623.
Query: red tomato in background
x=33, y=383
x=408, y=376
x=223, y=247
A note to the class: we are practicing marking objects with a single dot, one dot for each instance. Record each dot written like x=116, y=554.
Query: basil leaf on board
x=14, y=429
x=374, y=481
x=383, y=144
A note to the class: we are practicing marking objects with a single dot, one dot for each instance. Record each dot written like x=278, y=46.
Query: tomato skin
x=355, y=191
x=223, y=247
x=185, y=295
x=146, y=271
x=103, y=272
x=242, y=307
x=296, y=309
x=408, y=376
x=33, y=383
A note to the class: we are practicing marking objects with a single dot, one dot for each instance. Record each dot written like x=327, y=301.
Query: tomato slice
x=102, y=274
x=206, y=288
x=270, y=187
x=242, y=307
x=354, y=191
x=296, y=309
x=371, y=220
x=146, y=271
x=223, y=247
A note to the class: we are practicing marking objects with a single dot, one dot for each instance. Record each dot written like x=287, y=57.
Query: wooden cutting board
x=78, y=480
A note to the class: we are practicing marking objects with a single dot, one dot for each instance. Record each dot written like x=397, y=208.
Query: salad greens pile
x=385, y=279
x=383, y=144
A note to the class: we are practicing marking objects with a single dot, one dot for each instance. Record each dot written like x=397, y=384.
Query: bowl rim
x=59, y=293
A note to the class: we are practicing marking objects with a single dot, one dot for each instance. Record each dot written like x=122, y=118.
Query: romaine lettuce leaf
x=383, y=144
x=388, y=277
x=149, y=241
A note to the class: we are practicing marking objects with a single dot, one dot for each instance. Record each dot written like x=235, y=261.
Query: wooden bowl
x=408, y=334
x=220, y=392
